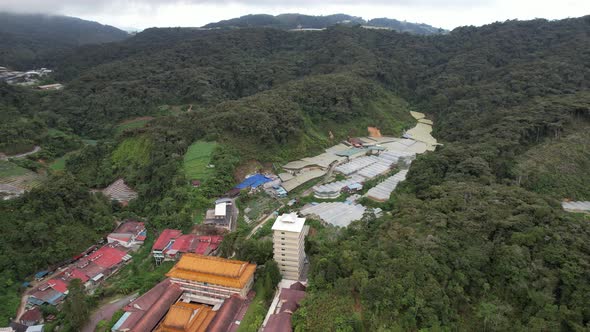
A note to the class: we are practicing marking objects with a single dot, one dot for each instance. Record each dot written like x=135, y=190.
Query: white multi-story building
x=289, y=233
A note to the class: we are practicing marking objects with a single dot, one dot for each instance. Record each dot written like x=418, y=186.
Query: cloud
x=440, y=13
x=99, y=6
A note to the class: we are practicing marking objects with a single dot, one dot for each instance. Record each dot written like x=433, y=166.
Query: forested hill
x=294, y=21
x=475, y=240
x=28, y=39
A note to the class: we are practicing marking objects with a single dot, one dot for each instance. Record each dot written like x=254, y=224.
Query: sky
x=141, y=14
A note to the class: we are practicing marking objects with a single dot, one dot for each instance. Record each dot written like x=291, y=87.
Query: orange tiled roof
x=187, y=317
x=213, y=270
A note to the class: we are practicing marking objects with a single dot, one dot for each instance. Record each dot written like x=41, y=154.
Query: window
x=282, y=254
x=283, y=249
x=282, y=239
x=283, y=233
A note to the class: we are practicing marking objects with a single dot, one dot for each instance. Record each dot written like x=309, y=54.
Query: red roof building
x=77, y=274
x=171, y=244
x=106, y=257
x=165, y=238
x=58, y=285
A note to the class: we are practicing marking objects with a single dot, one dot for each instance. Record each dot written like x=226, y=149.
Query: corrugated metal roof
x=576, y=206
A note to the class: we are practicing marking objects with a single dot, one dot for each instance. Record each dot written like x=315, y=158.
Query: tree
x=76, y=307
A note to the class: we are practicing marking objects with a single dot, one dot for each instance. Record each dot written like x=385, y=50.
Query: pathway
x=263, y=221
x=22, y=155
x=107, y=311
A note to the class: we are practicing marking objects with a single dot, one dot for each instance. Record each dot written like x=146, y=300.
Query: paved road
x=107, y=311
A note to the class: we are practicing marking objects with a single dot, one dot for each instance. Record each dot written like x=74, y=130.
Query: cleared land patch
x=196, y=160
x=133, y=151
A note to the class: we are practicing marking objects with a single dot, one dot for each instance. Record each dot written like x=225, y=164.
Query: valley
x=431, y=170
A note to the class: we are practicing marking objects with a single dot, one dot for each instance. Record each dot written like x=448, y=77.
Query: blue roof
x=253, y=181
x=41, y=274
x=121, y=321
x=34, y=300
x=55, y=298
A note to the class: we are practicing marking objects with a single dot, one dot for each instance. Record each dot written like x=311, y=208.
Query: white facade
x=289, y=244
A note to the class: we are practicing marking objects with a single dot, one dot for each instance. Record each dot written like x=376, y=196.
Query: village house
x=223, y=216
x=31, y=317
x=171, y=244
x=128, y=234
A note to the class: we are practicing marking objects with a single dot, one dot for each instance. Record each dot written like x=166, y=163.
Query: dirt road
x=107, y=311
x=22, y=155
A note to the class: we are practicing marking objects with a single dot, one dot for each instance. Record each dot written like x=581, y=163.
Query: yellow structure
x=186, y=317
x=207, y=279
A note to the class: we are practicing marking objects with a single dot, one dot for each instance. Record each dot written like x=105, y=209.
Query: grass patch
x=196, y=160
x=132, y=151
x=58, y=164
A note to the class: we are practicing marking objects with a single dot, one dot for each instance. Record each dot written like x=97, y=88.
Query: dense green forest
x=474, y=240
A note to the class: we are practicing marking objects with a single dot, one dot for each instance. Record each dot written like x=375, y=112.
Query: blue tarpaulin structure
x=253, y=181
x=41, y=274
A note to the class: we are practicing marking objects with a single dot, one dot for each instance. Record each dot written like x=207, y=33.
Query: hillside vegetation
x=471, y=241
x=31, y=40
x=295, y=21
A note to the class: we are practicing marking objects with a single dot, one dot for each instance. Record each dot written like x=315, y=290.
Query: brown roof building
x=147, y=311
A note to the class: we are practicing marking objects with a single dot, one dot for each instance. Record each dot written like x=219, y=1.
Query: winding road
x=22, y=155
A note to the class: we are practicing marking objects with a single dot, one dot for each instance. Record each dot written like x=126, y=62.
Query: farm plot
x=197, y=159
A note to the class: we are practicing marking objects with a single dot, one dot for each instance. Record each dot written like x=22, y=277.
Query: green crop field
x=196, y=160
x=58, y=164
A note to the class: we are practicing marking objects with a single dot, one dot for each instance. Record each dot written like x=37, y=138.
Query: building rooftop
x=186, y=317
x=32, y=315
x=220, y=209
x=165, y=237
x=289, y=222
x=153, y=304
x=213, y=270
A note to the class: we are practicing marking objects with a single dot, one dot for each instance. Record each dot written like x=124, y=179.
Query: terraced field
x=15, y=176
